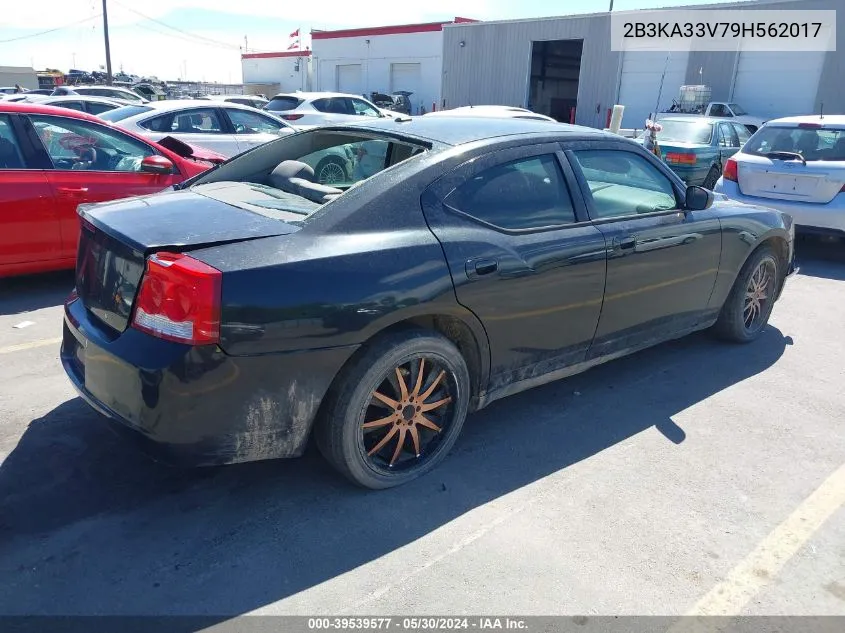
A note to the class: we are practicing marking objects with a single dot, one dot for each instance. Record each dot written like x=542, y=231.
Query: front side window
x=529, y=193
x=246, y=122
x=719, y=109
x=624, y=183
x=10, y=151
x=363, y=108
x=81, y=145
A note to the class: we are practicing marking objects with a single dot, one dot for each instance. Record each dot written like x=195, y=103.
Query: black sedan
x=231, y=319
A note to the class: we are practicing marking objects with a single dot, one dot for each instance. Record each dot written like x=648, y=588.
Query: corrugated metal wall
x=493, y=65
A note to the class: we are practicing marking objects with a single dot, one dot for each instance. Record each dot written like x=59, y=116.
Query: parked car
x=227, y=320
x=227, y=128
x=253, y=101
x=91, y=105
x=508, y=112
x=796, y=165
x=733, y=111
x=112, y=92
x=696, y=148
x=306, y=109
x=53, y=159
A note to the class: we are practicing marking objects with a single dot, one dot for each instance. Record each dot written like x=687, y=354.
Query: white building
x=382, y=59
x=271, y=73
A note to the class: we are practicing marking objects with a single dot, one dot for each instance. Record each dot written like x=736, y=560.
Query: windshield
x=737, y=110
x=699, y=132
x=118, y=114
x=811, y=143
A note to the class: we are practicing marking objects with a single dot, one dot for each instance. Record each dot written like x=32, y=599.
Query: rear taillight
x=179, y=300
x=730, y=171
x=292, y=117
x=678, y=158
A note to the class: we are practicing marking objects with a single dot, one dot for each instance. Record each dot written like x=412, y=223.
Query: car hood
x=181, y=220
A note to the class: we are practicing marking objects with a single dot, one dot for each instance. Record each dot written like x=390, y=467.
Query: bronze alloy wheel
x=408, y=415
x=758, y=295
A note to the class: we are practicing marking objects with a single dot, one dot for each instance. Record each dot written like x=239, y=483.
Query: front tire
x=396, y=411
x=749, y=304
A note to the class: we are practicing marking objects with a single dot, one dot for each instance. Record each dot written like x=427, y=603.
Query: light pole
x=106, y=38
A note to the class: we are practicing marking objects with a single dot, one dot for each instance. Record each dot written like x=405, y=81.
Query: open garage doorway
x=555, y=70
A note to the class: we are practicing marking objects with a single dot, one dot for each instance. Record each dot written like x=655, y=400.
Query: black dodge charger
x=458, y=262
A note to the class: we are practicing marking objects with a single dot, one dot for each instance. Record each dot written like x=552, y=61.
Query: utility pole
x=106, y=37
x=610, y=10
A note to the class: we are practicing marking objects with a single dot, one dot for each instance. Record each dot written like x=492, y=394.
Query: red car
x=54, y=159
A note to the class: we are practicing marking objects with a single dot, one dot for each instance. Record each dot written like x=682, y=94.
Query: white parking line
x=762, y=565
x=31, y=345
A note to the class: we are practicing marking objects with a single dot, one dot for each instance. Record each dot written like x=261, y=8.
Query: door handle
x=480, y=267
x=625, y=243
x=72, y=191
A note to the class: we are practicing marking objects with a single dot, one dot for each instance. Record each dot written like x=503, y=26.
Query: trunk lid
x=116, y=238
x=814, y=182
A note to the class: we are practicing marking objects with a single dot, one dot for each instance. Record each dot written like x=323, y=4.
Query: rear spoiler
x=185, y=150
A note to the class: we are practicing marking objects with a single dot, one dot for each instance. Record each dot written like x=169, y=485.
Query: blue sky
x=167, y=38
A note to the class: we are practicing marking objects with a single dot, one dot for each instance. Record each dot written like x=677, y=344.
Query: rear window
x=811, y=143
x=283, y=104
x=118, y=114
x=697, y=132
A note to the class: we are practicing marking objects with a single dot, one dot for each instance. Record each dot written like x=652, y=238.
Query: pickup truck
x=724, y=110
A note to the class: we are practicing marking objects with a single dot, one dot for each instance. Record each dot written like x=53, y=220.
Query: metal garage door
x=778, y=84
x=641, y=73
x=349, y=79
x=407, y=77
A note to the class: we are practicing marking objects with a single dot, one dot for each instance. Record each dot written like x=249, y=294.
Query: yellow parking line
x=22, y=346
x=762, y=565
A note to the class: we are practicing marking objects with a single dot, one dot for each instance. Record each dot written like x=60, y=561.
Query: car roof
x=466, y=129
x=22, y=107
x=833, y=120
x=317, y=95
x=186, y=104
x=87, y=98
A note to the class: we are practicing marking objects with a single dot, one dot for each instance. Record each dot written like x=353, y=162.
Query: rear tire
x=712, y=177
x=381, y=433
x=747, y=309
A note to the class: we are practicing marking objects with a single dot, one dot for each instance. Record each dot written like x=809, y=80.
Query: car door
x=728, y=139
x=80, y=175
x=29, y=228
x=662, y=259
x=253, y=128
x=523, y=258
x=206, y=127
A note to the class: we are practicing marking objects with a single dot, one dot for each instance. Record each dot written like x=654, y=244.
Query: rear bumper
x=826, y=218
x=197, y=406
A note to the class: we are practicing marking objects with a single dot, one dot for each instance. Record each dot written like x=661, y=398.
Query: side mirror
x=156, y=165
x=698, y=198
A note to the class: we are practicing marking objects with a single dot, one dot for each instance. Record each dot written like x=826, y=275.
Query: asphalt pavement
x=697, y=477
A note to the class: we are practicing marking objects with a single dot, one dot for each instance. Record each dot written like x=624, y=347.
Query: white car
x=91, y=105
x=110, y=92
x=307, y=109
x=248, y=100
x=226, y=128
x=509, y=112
x=795, y=165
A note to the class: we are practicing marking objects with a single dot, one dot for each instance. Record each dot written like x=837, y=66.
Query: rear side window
x=283, y=104
x=10, y=152
x=529, y=193
x=199, y=121
x=336, y=105
x=118, y=114
x=811, y=143
x=99, y=108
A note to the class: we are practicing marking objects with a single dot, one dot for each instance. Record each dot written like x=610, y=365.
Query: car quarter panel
x=744, y=229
